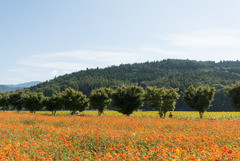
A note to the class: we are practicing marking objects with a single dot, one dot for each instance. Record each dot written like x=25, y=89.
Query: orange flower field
x=42, y=137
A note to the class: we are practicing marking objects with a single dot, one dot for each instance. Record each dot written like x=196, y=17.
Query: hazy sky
x=43, y=39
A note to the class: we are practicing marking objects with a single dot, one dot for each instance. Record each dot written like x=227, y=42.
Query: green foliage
x=54, y=103
x=74, y=100
x=161, y=99
x=100, y=98
x=199, y=98
x=128, y=98
x=34, y=101
x=4, y=101
x=169, y=73
x=169, y=100
x=17, y=100
x=233, y=93
x=154, y=96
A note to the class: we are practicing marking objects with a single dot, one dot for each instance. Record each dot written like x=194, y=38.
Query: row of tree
x=169, y=73
x=126, y=99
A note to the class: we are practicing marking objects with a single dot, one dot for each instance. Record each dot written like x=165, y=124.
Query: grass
x=176, y=114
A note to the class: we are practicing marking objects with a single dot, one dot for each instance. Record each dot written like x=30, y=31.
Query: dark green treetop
x=199, y=98
x=4, y=101
x=34, y=101
x=74, y=100
x=233, y=93
x=128, y=98
x=54, y=103
x=17, y=100
x=161, y=99
x=100, y=98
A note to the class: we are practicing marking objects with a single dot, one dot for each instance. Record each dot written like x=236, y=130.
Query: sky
x=40, y=40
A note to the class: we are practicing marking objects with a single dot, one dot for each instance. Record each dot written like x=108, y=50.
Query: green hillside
x=169, y=73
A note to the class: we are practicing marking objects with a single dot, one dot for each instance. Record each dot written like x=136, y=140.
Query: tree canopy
x=199, y=98
x=17, y=100
x=54, y=103
x=161, y=99
x=128, y=98
x=4, y=101
x=100, y=98
x=34, y=101
x=233, y=93
x=74, y=100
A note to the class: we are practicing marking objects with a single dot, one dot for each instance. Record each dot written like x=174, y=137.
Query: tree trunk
x=201, y=115
x=160, y=112
x=99, y=113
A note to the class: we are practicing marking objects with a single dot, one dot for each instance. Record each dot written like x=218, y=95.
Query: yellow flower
x=203, y=152
x=198, y=159
x=178, y=151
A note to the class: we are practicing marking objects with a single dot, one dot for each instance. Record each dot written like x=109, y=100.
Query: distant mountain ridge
x=25, y=85
x=9, y=88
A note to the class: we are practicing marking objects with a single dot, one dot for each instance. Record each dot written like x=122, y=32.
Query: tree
x=161, y=99
x=128, y=98
x=199, y=98
x=169, y=73
x=100, y=98
x=34, y=101
x=53, y=103
x=74, y=100
x=4, y=101
x=17, y=100
x=233, y=93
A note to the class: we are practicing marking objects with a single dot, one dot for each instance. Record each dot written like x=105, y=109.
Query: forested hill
x=169, y=73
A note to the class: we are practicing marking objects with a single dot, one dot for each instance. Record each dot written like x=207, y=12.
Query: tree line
x=168, y=73
x=126, y=99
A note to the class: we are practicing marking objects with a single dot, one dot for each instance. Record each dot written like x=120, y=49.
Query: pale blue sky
x=47, y=38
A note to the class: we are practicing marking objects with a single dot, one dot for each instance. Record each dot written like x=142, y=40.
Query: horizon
x=45, y=39
x=20, y=83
